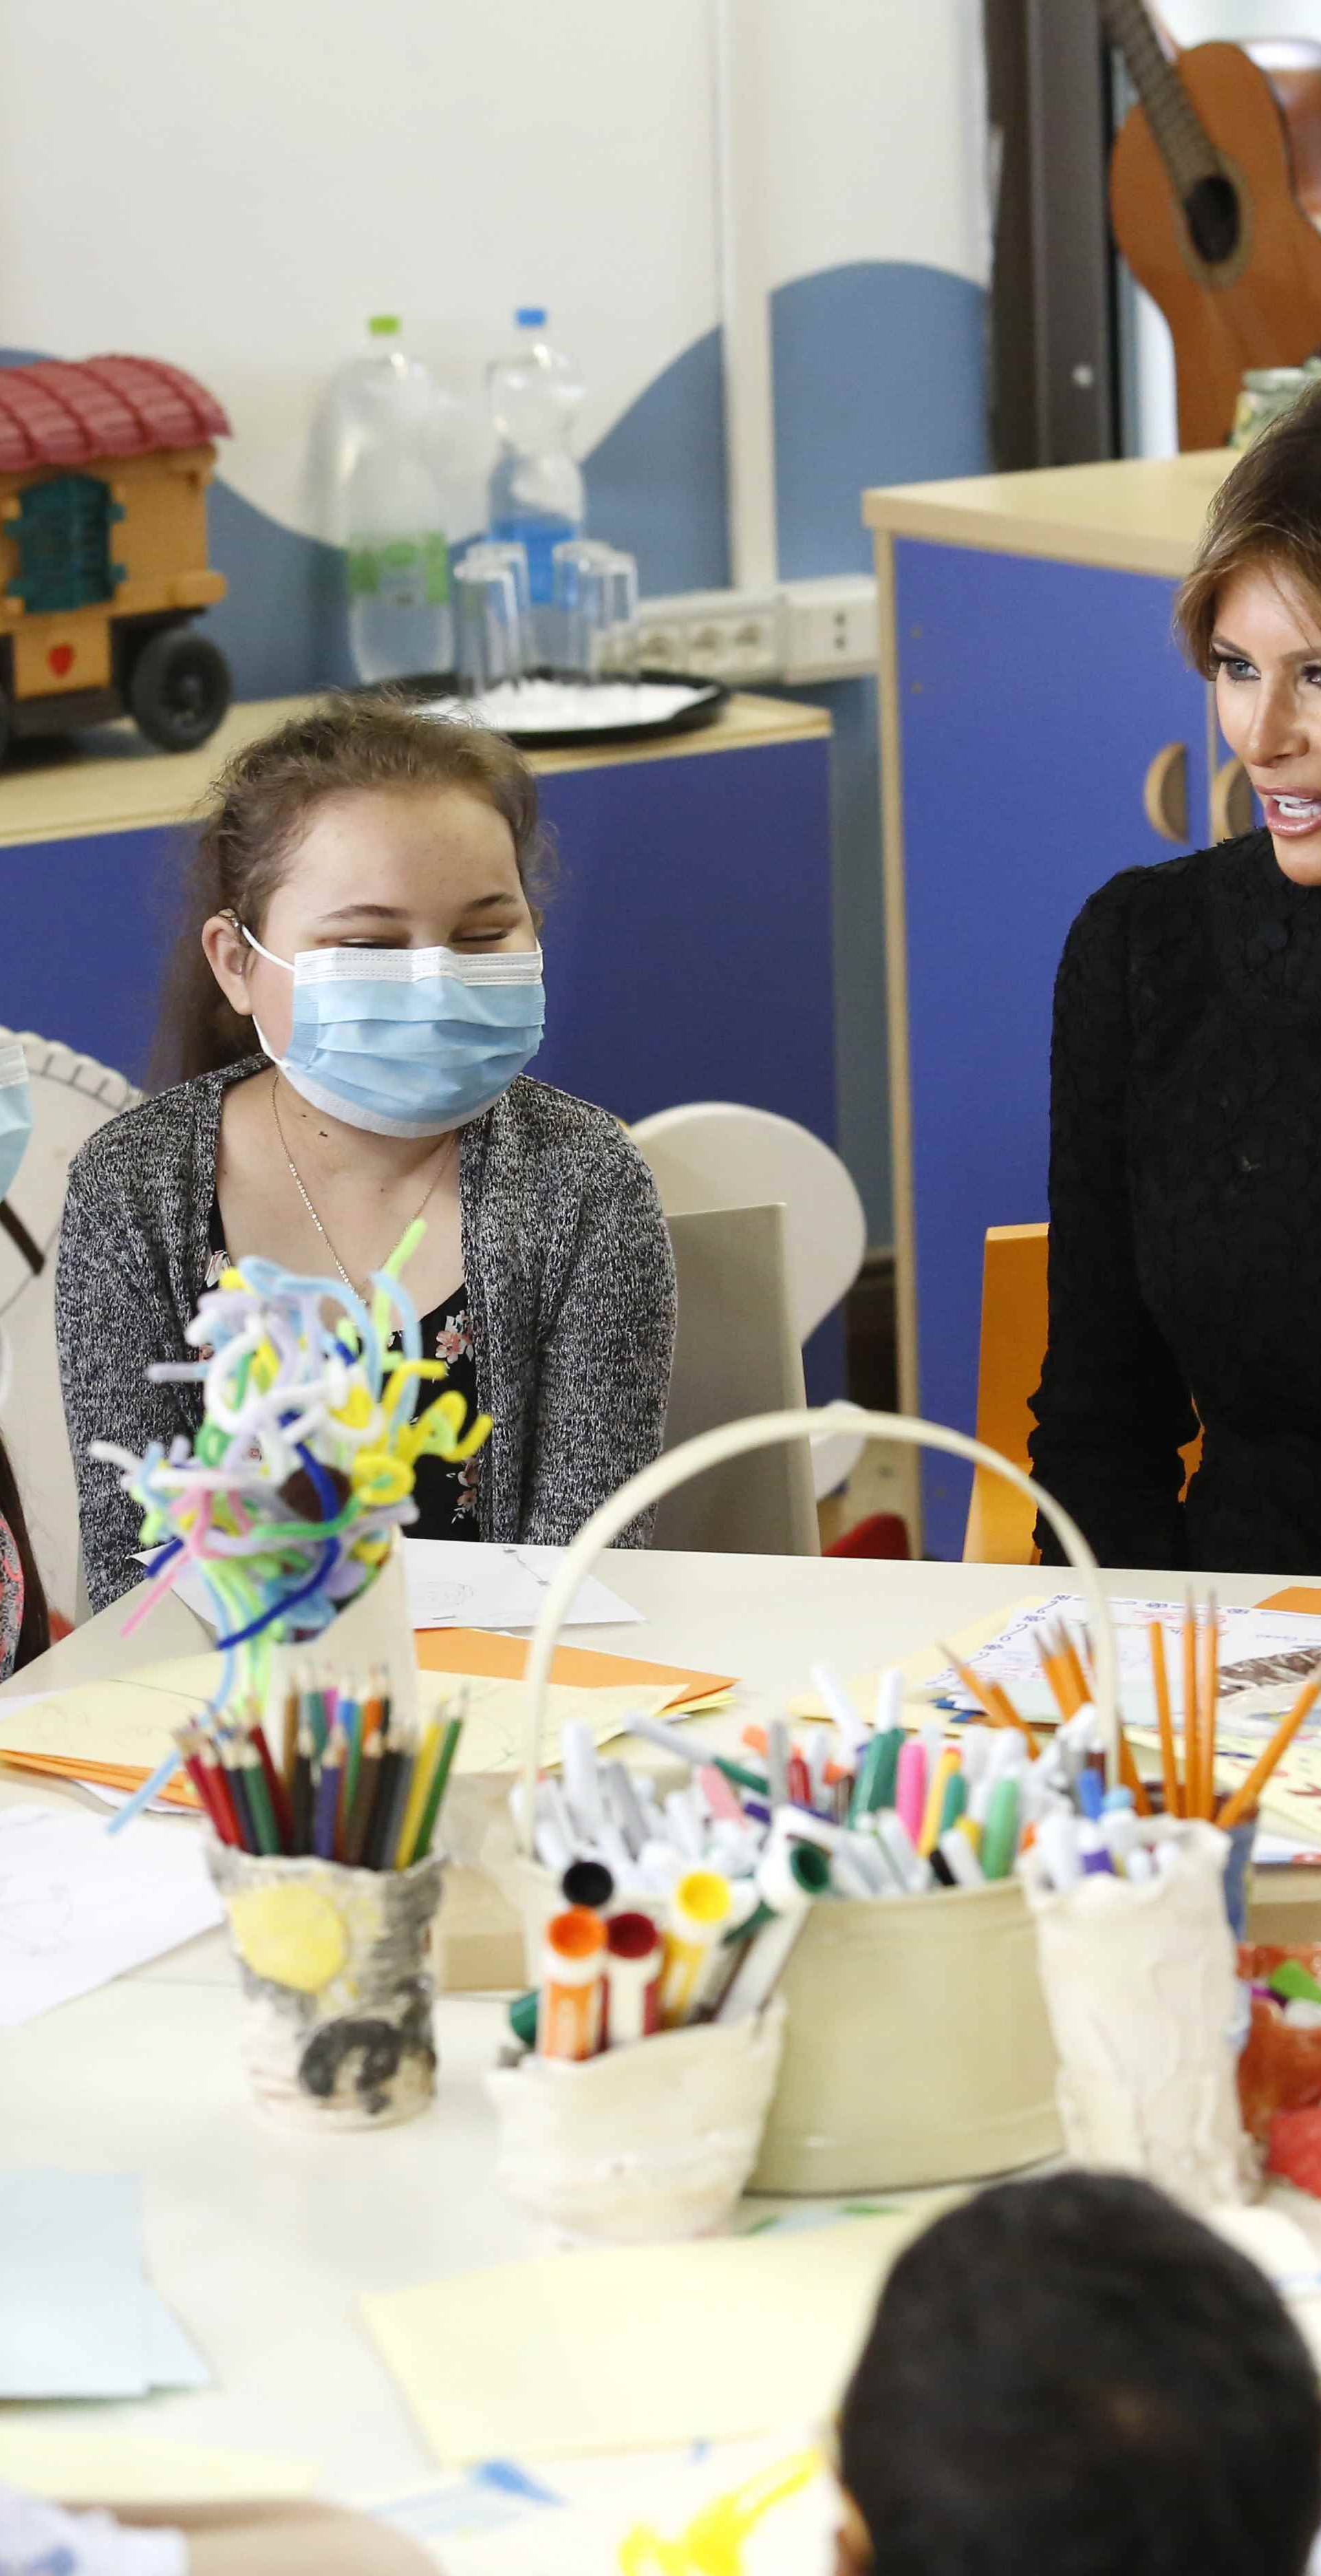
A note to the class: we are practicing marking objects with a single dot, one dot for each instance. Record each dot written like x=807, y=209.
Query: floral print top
x=11, y=1598
x=446, y=1496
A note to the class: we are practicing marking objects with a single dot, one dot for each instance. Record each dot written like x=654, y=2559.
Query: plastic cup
x=491, y=634
x=337, y=1986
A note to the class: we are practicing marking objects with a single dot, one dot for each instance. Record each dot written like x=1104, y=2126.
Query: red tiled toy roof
x=61, y=413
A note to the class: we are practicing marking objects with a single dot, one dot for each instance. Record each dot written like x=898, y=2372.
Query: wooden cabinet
x=1039, y=732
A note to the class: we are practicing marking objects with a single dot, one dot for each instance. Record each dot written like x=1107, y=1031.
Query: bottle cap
x=529, y=316
x=383, y=325
x=587, y=1882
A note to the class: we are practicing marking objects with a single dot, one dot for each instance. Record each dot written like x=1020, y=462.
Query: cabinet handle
x=1231, y=802
x=1165, y=792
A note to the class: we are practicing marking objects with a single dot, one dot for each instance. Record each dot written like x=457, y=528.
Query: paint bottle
x=572, y=1985
x=699, y=1911
x=633, y=1968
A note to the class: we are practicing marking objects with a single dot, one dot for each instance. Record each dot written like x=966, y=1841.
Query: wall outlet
x=805, y=630
x=829, y=627
x=730, y=635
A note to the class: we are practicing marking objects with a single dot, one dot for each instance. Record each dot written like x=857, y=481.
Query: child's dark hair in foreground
x=1073, y=2377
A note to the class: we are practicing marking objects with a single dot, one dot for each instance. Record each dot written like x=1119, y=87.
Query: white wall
x=236, y=184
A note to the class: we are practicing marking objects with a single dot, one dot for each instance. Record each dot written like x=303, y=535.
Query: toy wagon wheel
x=179, y=689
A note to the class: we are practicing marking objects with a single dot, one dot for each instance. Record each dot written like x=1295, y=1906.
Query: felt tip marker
x=910, y=1794
x=589, y=1883
x=572, y=1959
x=790, y=1878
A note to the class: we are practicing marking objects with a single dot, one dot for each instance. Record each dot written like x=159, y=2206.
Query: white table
x=264, y=2240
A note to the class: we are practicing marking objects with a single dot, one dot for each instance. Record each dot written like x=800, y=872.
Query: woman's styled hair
x=34, y=1633
x=1266, y=512
x=262, y=802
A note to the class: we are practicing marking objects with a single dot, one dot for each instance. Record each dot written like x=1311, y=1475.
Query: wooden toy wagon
x=103, y=551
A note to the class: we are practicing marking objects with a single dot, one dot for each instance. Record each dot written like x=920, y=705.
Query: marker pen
x=1000, y=1834
x=889, y=1710
x=828, y=1686
x=1093, y=1852
x=572, y=1958
x=699, y=1911
x=954, y=1803
x=582, y=1784
x=1057, y=1842
x=633, y=1967
x=694, y=1751
x=790, y=1877
x=1090, y=1793
x=623, y=1804
x=911, y=1789
x=777, y=1761
x=939, y=1775
x=718, y=1794
x=960, y=1859
x=685, y=1827
x=550, y=1846
x=892, y=1833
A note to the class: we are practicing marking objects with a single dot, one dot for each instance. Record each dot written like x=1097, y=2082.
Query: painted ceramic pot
x=337, y=1985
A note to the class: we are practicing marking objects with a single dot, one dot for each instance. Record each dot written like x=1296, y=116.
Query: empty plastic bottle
x=384, y=441
x=536, y=490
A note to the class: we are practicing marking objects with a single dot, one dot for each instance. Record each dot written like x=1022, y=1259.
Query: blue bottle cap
x=530, y=316
x=1116, y=1798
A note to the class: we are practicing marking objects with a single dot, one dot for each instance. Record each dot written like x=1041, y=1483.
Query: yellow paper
x=121, y=2469
x=639, y=2347
x=128, y=1721
x=920, y=1668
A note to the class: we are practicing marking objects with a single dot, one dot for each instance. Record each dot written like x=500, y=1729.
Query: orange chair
x=1013, y=1345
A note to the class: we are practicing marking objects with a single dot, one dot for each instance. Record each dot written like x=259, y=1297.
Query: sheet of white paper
x=172, y=2360
x=465, y=1583
x=1264, y=1655
x=77, y=1908
x=456, y=1583
x=72, y=2316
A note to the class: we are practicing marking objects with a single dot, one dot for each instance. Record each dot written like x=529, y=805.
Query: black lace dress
x=446, y=1497
x=1185, y=1209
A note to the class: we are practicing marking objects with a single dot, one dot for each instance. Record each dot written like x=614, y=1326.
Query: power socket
x=830, y=627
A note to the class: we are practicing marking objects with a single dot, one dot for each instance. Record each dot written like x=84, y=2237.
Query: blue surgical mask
x=408, y=1041
x=15, y=1112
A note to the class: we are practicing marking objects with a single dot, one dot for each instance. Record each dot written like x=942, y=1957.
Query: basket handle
x=763, y=1431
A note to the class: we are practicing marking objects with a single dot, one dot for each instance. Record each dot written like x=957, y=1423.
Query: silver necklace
x=301, y=1186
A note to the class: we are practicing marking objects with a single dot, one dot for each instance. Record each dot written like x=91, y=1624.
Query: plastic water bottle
x=536, y=490
x=383, y=448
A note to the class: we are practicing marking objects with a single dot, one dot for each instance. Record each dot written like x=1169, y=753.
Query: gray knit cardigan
x=569, y=1278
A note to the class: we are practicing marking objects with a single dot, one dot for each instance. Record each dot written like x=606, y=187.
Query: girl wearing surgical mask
x=354, y=1003
x=24, y=1617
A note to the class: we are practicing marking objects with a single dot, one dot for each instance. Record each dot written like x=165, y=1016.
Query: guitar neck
x=1181, y=139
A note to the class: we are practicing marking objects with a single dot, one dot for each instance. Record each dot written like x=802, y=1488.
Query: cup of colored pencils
x=323, y=1851
x=1189, y=1785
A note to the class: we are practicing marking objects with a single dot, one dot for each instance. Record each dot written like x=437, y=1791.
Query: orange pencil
x=1206, y=1727
x=1249, y=1791
x=994, y=1702
x=1069, y=1655
x=1169, y=1762
x=1192, y=1769
x=1057, y=1675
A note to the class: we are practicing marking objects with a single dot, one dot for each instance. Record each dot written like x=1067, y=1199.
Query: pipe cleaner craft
x=303, y=1468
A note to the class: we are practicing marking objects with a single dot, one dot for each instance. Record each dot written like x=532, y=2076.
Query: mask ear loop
x=268, y=953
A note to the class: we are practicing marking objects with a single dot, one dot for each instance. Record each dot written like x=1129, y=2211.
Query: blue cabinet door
x=1033, y=697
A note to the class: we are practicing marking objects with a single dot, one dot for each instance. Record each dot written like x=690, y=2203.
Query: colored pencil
x=427, y=1758
x=1069, y=1655
x=259, y=1800
x=189, y=1741
x=237, y=1786
x=439, y=1778
x=392, y=1830
x=1056, y=1674
x=275, y=1788
x=356, y=1826
x=1208, y=1689
x=1169, y=1763
x=1248, y=1792
x=289, y=1747
x=383, y=1803
x=301, y=1837
x=1192, y=1747
x=328, y=1787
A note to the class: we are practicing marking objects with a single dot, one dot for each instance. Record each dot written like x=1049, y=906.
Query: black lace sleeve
x=1111, y=1410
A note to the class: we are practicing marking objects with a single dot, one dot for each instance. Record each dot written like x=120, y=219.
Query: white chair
x=713, y=1154
x=737, y=1354
x=72, y=1096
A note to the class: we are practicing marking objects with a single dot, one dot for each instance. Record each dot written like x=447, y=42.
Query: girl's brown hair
x=34, y=1633
x=265, y=797
x=1267, y=511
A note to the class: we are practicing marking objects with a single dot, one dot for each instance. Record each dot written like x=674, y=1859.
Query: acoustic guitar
x=1205, y=208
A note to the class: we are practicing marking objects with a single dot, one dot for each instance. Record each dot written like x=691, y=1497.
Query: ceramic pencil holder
x=916, y=2046
x=337, y=1987
x=651, y=2141
x=373, y=1632
x=1140, y=1982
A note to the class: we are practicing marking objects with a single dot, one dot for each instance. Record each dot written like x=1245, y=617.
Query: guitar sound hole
x=1213, y=219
